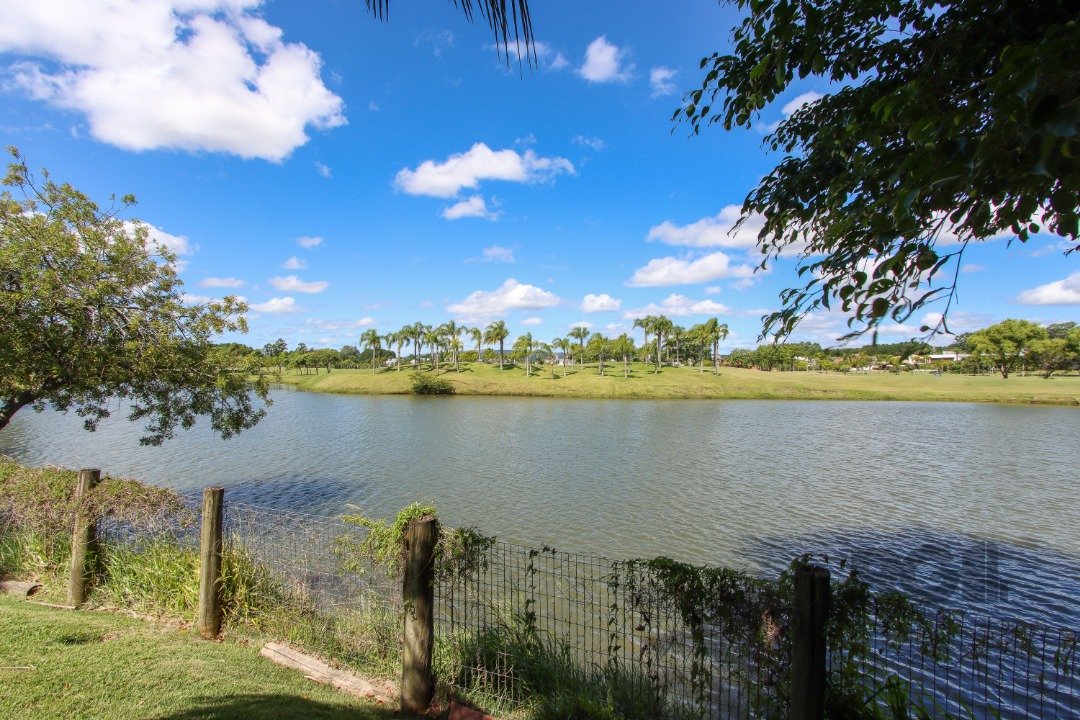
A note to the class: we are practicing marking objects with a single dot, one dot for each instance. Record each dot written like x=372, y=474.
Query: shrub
x=425, y=384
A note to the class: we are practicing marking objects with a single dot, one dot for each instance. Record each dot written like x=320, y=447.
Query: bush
x=425, y=384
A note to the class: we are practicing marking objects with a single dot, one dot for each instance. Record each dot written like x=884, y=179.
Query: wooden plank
x=16, y=587
x=319, y=671
x=210, y=540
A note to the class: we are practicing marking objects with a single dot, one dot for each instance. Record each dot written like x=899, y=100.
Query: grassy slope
x=90, y=665
x=732, y=383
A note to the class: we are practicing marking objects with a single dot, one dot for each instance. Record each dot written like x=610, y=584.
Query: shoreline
x=686, y=383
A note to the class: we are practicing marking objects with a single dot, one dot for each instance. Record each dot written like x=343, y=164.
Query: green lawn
x=685, y=382
x=88, y=665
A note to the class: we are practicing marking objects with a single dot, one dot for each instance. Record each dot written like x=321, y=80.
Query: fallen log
x=18, y=587
x=319, y=671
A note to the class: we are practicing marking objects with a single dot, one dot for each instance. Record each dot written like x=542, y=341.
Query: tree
x=1057, y=353
x=952, y=122
x=580, y=334
x=623, y=346
x=1060, y=331
x=565, y=347
x=647, y=325
x=497, y=333
x=523, y=348
x=1006, y=343
x=598, y=348
x=371, y=339
x=662, y=327
x=91, y=313
x=477, y=336
x=714, y=332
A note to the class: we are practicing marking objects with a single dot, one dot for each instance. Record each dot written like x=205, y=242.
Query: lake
x=965, y=505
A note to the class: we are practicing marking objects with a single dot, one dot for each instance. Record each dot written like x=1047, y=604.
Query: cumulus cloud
x=716, y=231
x=590, y=142
x=684, y=271
x=532, y=321
x=475, y=206
x=599, y=303
x=158, y=240
x=547, y=57
x=1059, y=292
x=291, y=283
x=511, y=295
x=660, y=79
x=308, y=242
x=194, y=75
x=466, y=170
x=294, y=263
x=676, y=305
x=226, y=282
x=605, y=62
x=713, y=290
x=276, y=306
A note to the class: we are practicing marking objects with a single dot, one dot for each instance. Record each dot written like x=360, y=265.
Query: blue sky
x=340, y=173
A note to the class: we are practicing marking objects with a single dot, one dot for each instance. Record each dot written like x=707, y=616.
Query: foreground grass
x=88, y=665
x=685, y=382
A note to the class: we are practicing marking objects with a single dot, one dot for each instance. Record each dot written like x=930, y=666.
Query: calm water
x=969, y=505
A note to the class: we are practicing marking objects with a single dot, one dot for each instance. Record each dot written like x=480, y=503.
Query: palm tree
x=678, y=334
x=497, y=333
x=623, y=346
x=565, y=346
x=418, y=335
x=598, y=345
x=662, y=327
x=450, y=331
x=713, y=332
x=401, y=338
x=509, y=21
x=580, y=334
x=434, y=339
x=477, y=336
x=523, y=347
x=647, y=325
x=373, y=340
x=546, y=352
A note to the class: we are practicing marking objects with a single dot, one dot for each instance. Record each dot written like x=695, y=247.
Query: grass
x=90, y=665
x=689, y=383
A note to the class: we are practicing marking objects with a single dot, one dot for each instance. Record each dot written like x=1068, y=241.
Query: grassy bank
x=87, y=665
x=685, y=382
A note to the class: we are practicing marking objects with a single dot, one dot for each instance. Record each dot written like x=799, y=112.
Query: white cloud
x=604, y=62
x=660, y=79
x=373, y=106
x=216, y=282
x=675, y=305
x=547, y=57
x=294, y=263
x=796, y=103
x=323, y=170
x=308, y=242
x=716, y=231
x=475, y=206
x=713, y=290
x=466, y=170
x=192, y=299
x=590, y=142
x=599, y=303
x=532, y=321
x=1059, y=292
x=680, y=271
x=276, y=306
x=972, y=268
x=194, y=75
x=581, y=324
x=157, y=240
x=511, y=295
x=291, y=283
x=338, y=325
x=439, y=41
x=497, y=253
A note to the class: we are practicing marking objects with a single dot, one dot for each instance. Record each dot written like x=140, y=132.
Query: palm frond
x=509, y=21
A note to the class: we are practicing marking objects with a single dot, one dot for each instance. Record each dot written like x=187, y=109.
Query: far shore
x=692, y=383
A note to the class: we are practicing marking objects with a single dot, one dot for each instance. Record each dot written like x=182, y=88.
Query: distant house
x=949, y=356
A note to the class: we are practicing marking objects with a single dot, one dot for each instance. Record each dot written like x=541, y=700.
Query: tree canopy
x=948, y=122
x=92, y=313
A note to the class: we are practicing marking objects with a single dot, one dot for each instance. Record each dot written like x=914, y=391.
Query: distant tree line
x=1005, y=348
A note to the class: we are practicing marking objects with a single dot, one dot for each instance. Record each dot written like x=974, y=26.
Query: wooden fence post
x=83, y=536
x=813, y=595
x=418, y=593
x=209, y=618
